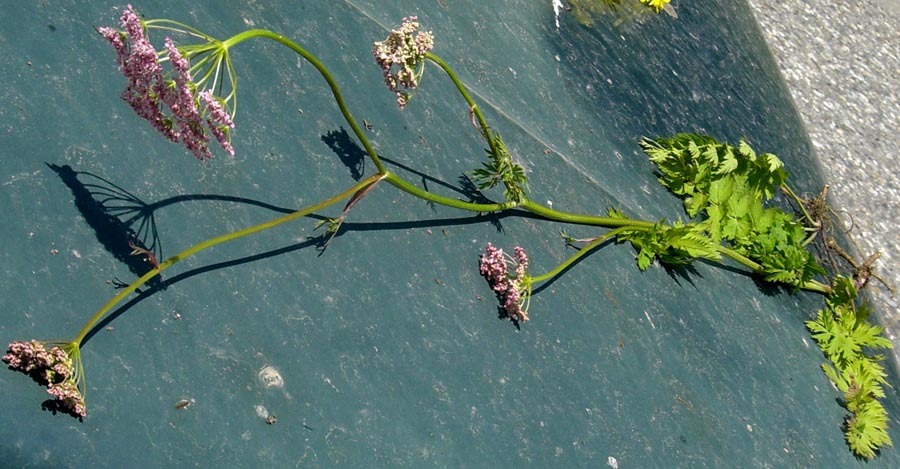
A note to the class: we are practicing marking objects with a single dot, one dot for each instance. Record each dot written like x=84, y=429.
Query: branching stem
x=213, y=242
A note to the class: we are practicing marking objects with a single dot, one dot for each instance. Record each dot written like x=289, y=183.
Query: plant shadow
x=102, y=203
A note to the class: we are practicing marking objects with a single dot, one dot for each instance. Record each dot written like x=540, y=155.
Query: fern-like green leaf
x=728, y=162
x=615, y=213
x=866, y=431
x=644, y=259
x=746, y=151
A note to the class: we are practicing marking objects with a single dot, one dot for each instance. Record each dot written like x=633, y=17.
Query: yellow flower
x=657, y=5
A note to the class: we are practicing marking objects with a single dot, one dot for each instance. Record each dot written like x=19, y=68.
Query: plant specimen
x=188, y=92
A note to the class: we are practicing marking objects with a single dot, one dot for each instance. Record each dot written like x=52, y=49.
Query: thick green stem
x=213, y=242
x=335, y=90
x=537, y=209
x=817, y=287
x=606, y=222
x=405, y=186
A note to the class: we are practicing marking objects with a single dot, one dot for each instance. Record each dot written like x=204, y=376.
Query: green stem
x=809, y=239
x=535, y=208
x=176, y=26
x=592, y=220
x=623, y=225
x=581, y=253
x=740, y=258
x=817, y=287
x=485, y=129
x=405, y=186
x=812, y=285
x=213, y=242
x=335, y=90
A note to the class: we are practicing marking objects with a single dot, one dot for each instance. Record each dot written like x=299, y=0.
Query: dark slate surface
x=388, y=346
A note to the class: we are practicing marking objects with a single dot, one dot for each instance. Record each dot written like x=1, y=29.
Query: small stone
x=270, y=377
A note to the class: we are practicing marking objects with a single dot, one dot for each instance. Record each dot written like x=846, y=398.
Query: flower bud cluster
x=170, y=100
x=512, y=291
x=53, y=368
x=406, y=48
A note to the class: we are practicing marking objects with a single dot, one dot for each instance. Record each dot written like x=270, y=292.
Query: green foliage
x=677, y=244
x=334, y=224
x=690, y=164
x=866, y=431
x=501, y=168
x=726, y=189
x=844, y=336
x=616, y=213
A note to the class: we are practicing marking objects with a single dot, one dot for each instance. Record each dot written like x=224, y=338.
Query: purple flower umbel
x=176, y=105
x=58, y=368
x=512, y=291
x=406, y=48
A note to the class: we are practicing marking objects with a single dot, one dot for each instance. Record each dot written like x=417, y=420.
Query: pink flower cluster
x=52, y=368
x=166, y=99
x=406, y=48
x=511, y=291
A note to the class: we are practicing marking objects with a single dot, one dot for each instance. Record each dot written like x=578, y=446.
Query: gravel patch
x=841, y=60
